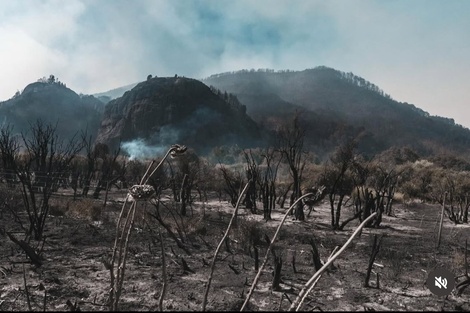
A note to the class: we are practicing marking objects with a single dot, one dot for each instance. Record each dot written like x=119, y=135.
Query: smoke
x=138, y=149
x=186, y=132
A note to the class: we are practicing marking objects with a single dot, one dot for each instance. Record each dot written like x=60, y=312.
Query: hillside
x=163, y=111
x=341, y=104
x=52, y=102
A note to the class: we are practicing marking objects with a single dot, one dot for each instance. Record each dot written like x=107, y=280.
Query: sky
x=416, y=51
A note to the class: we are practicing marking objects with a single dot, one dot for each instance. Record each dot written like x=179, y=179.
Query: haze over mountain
x=337, y=104
x=163, y=111
x=243, y=108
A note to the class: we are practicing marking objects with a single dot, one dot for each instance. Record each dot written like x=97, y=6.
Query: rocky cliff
x=163, y=111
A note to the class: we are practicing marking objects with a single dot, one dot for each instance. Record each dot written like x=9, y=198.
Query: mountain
x=335, y=105
x=52, y=102
x=163, y=111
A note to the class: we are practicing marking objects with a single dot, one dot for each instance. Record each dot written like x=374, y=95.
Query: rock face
x=52, y=102
x=160, y=112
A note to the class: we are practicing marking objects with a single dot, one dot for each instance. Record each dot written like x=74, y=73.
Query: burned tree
x=451, y=189
x=337, y=176
x=383, y=180
x=39, y=169
x=111, y=169
x=188, y=168
x=268, y=182
x=91, y=159
x=252, y=172
x=291, y=146
x=233, y=182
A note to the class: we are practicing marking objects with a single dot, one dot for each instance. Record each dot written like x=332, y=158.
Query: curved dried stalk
x=113, y=257
x=121, y=243
x=255, y=282
x=122, y=268
x=295, y=305
x=174, y=151
x=209, y=280
x=315, y=282
x=162, y=295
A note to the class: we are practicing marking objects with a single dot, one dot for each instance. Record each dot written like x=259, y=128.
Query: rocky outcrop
x=162, y=111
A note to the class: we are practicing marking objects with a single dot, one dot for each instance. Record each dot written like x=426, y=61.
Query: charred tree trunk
x=277, y=272
x=316, y=255
x=375, y=250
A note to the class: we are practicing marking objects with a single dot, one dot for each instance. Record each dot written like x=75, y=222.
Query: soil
x=78, y=244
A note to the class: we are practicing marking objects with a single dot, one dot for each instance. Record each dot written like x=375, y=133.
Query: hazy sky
x=416, y=51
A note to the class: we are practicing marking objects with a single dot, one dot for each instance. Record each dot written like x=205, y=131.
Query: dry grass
x=399, y=197
x=88, y=209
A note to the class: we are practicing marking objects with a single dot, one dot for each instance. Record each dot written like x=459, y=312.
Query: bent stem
x=315, y=282
x=258, y=275
x=121, y=243
x=209, y=280
x=295, y=305
x=162, y=295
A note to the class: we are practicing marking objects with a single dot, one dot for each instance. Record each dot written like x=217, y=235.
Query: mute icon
x=440, y=282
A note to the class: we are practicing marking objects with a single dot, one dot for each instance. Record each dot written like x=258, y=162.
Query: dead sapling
x=375, y=250
x=308, y=287
x=268, y=251
x=227, y=245
x=277, y=271
x=315, y=255
x=293, y=263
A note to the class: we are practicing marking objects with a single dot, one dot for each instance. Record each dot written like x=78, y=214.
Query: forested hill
x=50, y=101
x=337, y=104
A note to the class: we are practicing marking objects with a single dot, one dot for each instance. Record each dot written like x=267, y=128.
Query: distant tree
x=188, y=169
x=149, y=77
x=91, y=154
x=291, y=146
x=417, y=180
x=233, y=182
x=338, y=179
x=252, y=172
x=268, y=181
x=51, y=79
x=111, y=169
